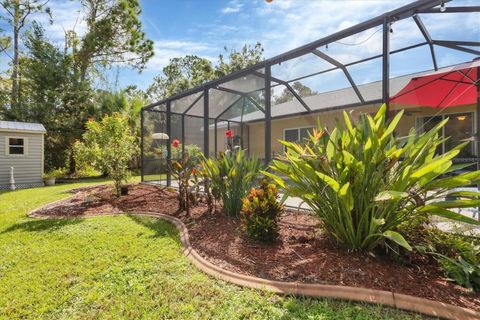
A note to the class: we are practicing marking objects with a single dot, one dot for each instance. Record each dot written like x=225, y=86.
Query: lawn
x=126, y=267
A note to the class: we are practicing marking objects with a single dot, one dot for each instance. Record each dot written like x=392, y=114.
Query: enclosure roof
x=332, y=99
x=15, y=126
x=344, y=97
x=409, y=10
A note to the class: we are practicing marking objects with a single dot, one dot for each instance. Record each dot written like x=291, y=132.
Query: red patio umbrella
x=449, y=87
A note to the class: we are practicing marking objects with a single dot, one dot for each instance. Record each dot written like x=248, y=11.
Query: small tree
x=108, y=146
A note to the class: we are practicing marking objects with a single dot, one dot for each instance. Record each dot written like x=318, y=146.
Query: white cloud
x=168, y=49
x=233, y=6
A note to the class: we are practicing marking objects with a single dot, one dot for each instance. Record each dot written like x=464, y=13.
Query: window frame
x=298, y=133
x=8, y=145
x=419, y=122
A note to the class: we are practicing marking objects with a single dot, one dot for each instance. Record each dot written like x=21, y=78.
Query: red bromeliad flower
x=175, y=143
x=229, y=133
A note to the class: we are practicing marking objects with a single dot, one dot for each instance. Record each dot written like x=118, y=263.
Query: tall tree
x=114, y=35
x=4, y=42
x=300, y=88
x=53, y=94
x=190, y=71
x=17, y=13
x=238, y=60
x=181, y=74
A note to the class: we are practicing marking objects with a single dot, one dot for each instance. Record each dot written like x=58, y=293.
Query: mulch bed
x=302, y=253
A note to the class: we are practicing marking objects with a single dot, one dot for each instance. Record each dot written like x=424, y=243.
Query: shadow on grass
x=42, y=225
x=160, y=227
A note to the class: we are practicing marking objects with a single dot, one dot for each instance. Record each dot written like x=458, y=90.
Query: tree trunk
x=14, y=93
x=73, y=166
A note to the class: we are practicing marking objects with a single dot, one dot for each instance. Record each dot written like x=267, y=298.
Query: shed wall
x=28, y=169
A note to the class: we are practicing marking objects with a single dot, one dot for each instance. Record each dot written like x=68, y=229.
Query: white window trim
x=298, y=132
x=443, y=115
x=7, y=146
x=298, y=129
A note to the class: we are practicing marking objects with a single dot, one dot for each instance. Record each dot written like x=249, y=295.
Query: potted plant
x=49, y=177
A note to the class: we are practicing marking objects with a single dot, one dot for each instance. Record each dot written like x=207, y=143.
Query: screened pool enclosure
x=356, y=69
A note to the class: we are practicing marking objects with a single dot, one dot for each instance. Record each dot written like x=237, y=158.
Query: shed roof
x=15, y=126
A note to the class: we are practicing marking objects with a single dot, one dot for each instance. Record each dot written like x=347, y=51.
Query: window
x=459, y=127
x=16, y=146
x=297, y=134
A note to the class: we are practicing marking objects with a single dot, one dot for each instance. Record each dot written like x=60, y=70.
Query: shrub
x=108, y=146
x=55, y=173
x=260, y=212
x=458, y=255
x=462, y=271
x=363, y=181
x=231, y=176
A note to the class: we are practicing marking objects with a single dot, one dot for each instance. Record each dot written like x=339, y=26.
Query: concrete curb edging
x=381, y=297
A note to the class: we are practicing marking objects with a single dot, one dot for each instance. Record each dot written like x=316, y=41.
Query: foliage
x=181, y=74
x=125, y=102
x=458, y=255
x=301, y=89
x=108, y=146
x=450, y=244
x=16, y=14
x=194, y=152
x=184, y=171
x=98, y=268
x=4, y=42
x=462, y=271
x=114, y=35
x=231, y=176
x=238, y=60
x=355, y=182
x=55, y=86
x=53, y=95
x=55, y=173
x=260, y=212
x=189, y=71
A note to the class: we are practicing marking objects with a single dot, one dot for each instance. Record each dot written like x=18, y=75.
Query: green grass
x=126, y=267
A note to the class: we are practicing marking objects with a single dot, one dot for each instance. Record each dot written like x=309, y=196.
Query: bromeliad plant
x=364, y=182
x=231, y=176
x=260, y=212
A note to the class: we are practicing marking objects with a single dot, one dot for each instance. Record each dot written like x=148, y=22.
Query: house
x=21, y=148
x=267, y=101
x=291, y=123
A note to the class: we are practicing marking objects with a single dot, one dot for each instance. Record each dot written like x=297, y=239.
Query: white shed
x=21, y=148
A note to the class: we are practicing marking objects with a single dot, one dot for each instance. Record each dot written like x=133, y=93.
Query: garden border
x=373, y=296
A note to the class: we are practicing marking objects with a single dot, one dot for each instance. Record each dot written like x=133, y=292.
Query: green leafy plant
x=108, y=146
x=55, y=173
x=260, y=212
x=462, y=271
x=458, y=255
x=364, y=182
x=231, y=176
x=184, y=169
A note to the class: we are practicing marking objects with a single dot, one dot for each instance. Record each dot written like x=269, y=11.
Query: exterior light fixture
x=391, y=29
x=461, y=118
x=442, y=6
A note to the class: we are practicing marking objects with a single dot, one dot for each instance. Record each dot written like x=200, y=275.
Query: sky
x=205, y=27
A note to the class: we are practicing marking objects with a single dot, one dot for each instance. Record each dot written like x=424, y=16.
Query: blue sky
x=205, y=27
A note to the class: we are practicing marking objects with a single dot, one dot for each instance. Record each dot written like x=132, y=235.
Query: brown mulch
x=302, y=253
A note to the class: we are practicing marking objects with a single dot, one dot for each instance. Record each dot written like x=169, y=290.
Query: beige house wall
x=256, y=143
